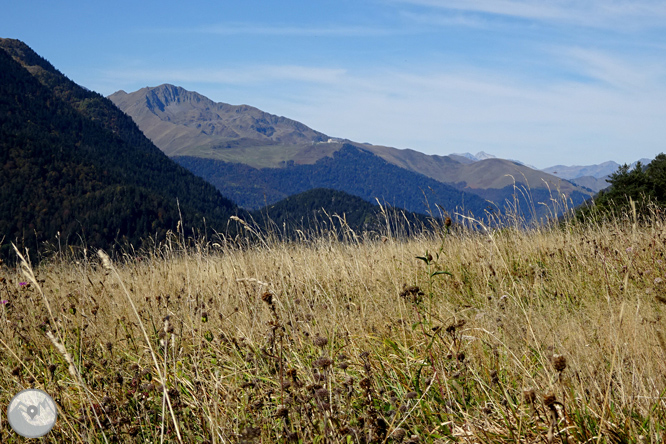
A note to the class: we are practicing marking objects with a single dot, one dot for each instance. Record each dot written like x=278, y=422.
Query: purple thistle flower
x=4, y=302
x=23, y=283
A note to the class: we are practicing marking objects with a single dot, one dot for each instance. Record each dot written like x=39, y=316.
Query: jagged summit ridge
x=178, y=120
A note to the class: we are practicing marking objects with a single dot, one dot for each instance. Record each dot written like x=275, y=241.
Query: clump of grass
x=501, y=334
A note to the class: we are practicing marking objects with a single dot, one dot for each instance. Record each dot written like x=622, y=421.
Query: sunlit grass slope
x=545, y=335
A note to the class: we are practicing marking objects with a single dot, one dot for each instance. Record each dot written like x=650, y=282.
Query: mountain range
x=76, y=171
x=227, y=145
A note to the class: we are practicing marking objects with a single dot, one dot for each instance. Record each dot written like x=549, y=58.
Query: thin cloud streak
x=629, y=74
x=594, y=13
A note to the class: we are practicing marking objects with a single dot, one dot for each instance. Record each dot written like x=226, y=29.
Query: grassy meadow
x=548, y=334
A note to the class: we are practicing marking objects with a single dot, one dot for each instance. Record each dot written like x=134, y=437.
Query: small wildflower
x=4, y=302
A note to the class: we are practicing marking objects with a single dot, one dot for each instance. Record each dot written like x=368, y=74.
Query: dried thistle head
x=282, y=411
x=267, y=297
x=411, y=395
x=323, y=362
x=398, y=434
x=292, y=373
x=559, y=362
x=529, y=396
x=549, y=399
x=412, y=293
x=320, y=341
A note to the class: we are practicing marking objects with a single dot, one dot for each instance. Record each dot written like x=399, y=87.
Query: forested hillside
x=73, y=166
x=321, y=209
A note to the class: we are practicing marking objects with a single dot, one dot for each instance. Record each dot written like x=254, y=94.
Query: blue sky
x=546, y=82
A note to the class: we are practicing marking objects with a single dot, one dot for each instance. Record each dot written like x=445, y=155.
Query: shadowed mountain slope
x=351, y=169
x=75, y=167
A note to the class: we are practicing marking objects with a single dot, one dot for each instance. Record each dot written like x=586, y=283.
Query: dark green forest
x=644, y=185
x=73, y=166
x=352, y=170
x=315, y=211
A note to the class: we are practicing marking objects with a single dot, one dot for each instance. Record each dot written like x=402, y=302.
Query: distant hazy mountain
x=481, y=155
x=599, y=171
x=575, y=171
x=217, y=141
x=589, y=176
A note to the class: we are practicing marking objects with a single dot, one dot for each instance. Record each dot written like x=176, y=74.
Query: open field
x=548, y=335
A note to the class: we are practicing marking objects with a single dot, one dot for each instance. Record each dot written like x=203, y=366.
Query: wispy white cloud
x=630, y=73
x=599, y=13
x=440, y=19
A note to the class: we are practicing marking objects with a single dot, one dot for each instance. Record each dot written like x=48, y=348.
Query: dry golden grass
x=544, y=335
